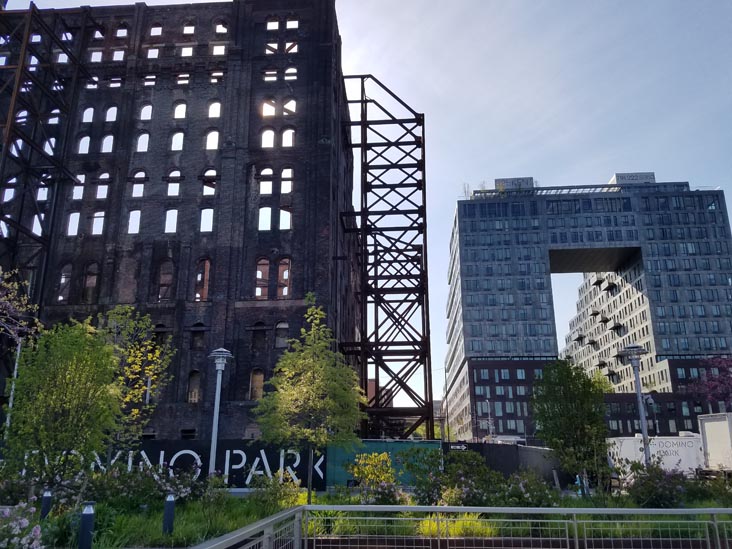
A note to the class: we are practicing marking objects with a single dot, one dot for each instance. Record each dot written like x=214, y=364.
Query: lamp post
x=220, y=356
x=633, y=353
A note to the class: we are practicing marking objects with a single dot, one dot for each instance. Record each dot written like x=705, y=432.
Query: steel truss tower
x=40, y=76
x=394, y=350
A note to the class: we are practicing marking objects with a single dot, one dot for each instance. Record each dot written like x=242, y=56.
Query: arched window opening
x=222, y=27
x=53, y=119
x=269, y=107
x=286, y=184
x=214, y=110
x=88, y=115
x=143, y=142
x=259, y=337
x=289, y=107
x=283, y=279
x=288, y=138
x=179, y=111
x=107, y=143
x=265, y=181
x=174, y=183
x=268, y=137
x=198, y=337
x=176, y=141
x=262, y=279
x=111, y=115
x=166, y=271
x=285, y=220
x=209, y=182
x=64, y=284
x=212, y=140
x=291, y=73
x=84, y=145
x=138, y=185
x=265, y=219
x=256, y=385
x=282, y=334
x=91, y=277
x=203, y=274
x=146, y=112
x=21, y=117
x=194, y=387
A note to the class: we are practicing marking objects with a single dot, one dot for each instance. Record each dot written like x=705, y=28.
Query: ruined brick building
x=194, y=161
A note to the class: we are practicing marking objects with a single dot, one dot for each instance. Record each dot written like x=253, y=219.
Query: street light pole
x=633, y=353
x=220, y=356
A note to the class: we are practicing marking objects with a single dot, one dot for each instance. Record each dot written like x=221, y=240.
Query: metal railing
x=414, y=527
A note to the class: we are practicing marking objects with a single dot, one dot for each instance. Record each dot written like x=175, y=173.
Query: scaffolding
x=394, y=350
x=40, y=76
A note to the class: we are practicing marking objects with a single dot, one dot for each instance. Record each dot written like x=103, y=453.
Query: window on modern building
x=146, y=112
x=268, y=137
x=265, y=181
x=97, y=223
x=282, y=334
x=72, y=225
x=111, y=115
x=171, y=221
x=256, y=384
x=107, y=143
x=91, y=277
x=83, y=145
x=283, y=279
x=289, y=107
x=194, y=387
x=88, y=115
x=288, y=137
x=291, y=73
x=156, y=30
x=212, y=140
x=209, y=182
x=203, y=274
x=262, y=279
x=285, y=220
x=176, y=141
x=64, y=284
x=286, y=183
x=133, y=224
x=269, y=107
x=207, y=215
x=265, y=219
x=166, y=272
x=214, y=109
x=143, y=142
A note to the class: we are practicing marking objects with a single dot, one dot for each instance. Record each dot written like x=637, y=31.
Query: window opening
x=288, y=138
x=149, y=80
x=209, y=183
x=156, y=30
x=152, y=53
x=189, y=29
x=203, y=273
x=212, y=140
x=98, y=223
x=122, y=32
x=283, y=278
x=165, y=280
x=270, y=75
x=72, y=227
x=265, y=181
x=285, y=220
x=146, y=112
x=64, y=284
x=286, y=184
x=219, y=50
x=265, y=219
x=91, y=277
x=53, y=119
x=176, y=142
x=291, y=73
x=273, y=25
x=88, y=115
x=96, y=57
x=282, y=330
x=107, y=143
x=186, y=51
x=291, y=47
x=133, y=224
x=118, y=55
x=214, y=110
x=198, y=337
x=194, y=390
x=49, y=145
x=292, y=24
x=179, y=111
x=216, y=77
x=262, y=279
x=256, y=385
x=290, y=107
x=259, y=337
x=268, y=139
x=268, y=107
x=143, y=141
x=84, y=145
x=183, y=79
x=111, y=115
x=221, y=28
x=270, y=48
x=207, y=220
x=102, y=191
x=171, y=221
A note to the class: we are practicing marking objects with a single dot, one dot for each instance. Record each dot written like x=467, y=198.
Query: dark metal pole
x=169, y=514
x=86, y=529
x=46, y=503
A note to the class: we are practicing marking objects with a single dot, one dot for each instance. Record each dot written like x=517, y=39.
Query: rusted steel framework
x=40, y=75
x=394, y=350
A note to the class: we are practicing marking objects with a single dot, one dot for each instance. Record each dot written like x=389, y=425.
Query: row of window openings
x=176, y=142
x=179, y=112
x=97, y=56
x=182, y=79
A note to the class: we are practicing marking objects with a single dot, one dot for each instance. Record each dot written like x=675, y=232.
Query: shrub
x=424, y=466
x=526, y=489
x=469, y=481
x=19, y=528
x=377, y=479
x=271, y=495
x=465, y=525
x=655, y=488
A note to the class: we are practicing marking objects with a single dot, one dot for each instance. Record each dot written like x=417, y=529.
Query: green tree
x=67, y=398
x=316, y=398
x=142, y=370
x=569, y=411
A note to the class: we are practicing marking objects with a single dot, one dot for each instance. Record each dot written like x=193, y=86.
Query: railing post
x=297, y=531
x=576, y=531
x=268, y=535
x=439, y=532
x=715, y=528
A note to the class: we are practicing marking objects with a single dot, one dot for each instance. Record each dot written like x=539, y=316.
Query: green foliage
x=424, y=465
x=526, y=489
x=654, y=488
x=376, y=479
x=316, y=399
x=465, y=525
x=467, y=480
x=19, y=528
x=570, y=414
x=274, y=495
x=66, y=399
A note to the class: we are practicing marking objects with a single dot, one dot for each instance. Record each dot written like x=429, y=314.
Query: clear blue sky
x=566, y=91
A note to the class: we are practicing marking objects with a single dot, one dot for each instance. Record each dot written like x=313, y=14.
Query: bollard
x=168, y=514
x=86, y=530
x=46, y=502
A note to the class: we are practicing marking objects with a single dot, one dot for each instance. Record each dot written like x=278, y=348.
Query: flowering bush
x=424, y=469
x=469, y=481
x=526, y=489
x=376, y=479
x=655, y=488
x=17, y=528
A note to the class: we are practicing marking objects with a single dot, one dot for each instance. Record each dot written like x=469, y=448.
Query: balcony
x=579, y=336
x=594, y=311
x=597, y=279
x=604, y=318
x=616, y=325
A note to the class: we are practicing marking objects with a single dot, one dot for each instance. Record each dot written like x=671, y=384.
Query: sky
x=566, y=91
